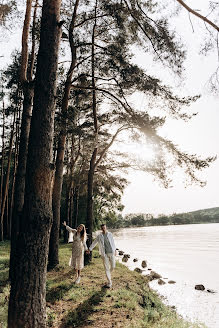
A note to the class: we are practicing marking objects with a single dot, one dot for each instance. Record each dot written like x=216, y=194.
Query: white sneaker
x=77, y=280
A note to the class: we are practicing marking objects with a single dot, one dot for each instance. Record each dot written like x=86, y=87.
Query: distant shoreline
x=210, y=215
x=162, y=225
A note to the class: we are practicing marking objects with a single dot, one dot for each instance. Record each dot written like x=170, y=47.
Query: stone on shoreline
x=161, y=282
x=171, y=282
x=138, y=270
x=135, y=260
x=125, y=259
x=211, y=291
x=121, y=252
x=149, y=277
x=200, y=287
x=143, y=264
x=155, y=275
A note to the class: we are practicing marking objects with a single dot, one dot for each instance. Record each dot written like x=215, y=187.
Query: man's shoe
x=107, y=286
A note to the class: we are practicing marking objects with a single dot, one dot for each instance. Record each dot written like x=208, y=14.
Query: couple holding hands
x=107, y=250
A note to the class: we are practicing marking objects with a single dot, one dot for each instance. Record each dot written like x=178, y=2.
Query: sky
x=200, y=135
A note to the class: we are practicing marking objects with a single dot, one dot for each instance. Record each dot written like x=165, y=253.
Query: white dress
x=78, y=247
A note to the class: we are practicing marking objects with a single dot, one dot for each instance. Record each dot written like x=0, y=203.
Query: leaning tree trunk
x=27, y=305
x=57, y=189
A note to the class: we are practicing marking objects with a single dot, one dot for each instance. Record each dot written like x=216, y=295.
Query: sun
x=139, y=151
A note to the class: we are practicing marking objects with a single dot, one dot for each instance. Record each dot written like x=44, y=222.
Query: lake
x=187, y=254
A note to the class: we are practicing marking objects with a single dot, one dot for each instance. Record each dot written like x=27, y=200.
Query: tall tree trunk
x=71, y=208
x=5, y=194
x=3, y=154
x=14, y=171
x=6, y=218
x=19, y=188
x=28, y=92
x=89, y=219
x=67, y=207
x=25, y=34
x=27, y=305
x=57, y=188
x=90, y=182
x=75, y=206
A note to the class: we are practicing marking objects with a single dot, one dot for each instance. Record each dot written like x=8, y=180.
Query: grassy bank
x=130, y=303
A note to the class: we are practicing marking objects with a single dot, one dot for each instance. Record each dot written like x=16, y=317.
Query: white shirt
x=100, y=241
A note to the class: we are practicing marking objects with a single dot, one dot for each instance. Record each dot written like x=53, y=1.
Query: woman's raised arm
x=68, y=228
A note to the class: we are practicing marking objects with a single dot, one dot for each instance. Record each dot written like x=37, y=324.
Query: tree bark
x=27, y=305
x=89, y=219
x=67, y=206
x=90, y=182
x=26, y=28
x=2, y=159
x=75, y=206
x=28, y=92
x=19, y=188
x=14, y=171
x=57, y=188
x=7, y=179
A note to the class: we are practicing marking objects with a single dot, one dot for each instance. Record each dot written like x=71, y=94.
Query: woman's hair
x=83, y=233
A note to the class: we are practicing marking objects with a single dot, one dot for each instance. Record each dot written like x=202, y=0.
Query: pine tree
x=27, y=305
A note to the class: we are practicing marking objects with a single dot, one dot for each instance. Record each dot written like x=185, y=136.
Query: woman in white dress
x=78, y=248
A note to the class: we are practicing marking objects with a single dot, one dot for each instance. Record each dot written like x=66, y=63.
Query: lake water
x=187, y=254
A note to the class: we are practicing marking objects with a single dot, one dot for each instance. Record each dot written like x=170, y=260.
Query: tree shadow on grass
x=79, y=316
x=66, y=275
x=56, y=293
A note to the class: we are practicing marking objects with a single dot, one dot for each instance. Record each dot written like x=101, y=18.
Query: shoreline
x=156, y=278
x=130, y=303
x=186, y=254
x=160, y=225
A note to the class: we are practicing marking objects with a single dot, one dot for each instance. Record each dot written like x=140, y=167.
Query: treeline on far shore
x=143, y=220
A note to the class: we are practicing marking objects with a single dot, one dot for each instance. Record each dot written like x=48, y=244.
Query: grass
x=130, y=303
x=4, y=282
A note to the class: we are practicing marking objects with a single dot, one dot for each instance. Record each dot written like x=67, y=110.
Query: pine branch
x=194, y=12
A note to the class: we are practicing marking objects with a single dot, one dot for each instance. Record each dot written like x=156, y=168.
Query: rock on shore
x=161, y=282
x=144, y=264
x=200, y=287
x=138, y=270
x=155, y=275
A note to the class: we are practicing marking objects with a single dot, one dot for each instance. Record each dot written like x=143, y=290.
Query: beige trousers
x=109, y=263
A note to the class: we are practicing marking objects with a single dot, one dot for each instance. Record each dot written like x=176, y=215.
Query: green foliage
x=8, y=12
x=143, y=220
x=4, y=282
